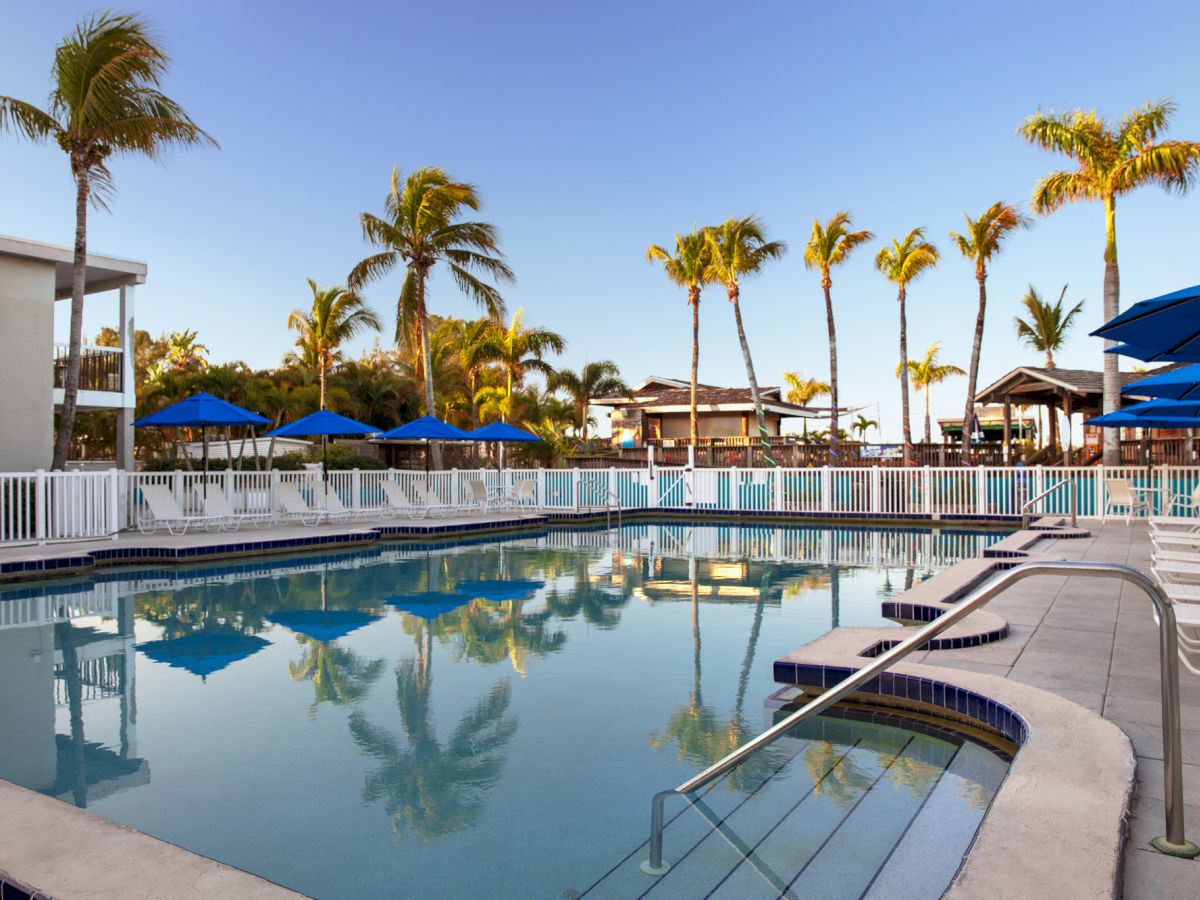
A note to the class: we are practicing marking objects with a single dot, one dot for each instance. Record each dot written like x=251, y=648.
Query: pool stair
x=842, y=808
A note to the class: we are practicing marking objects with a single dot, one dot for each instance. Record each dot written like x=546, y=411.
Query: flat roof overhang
x=104, y=273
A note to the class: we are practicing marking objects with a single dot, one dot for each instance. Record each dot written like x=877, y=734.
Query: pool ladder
x=1173, y=843
x=599, y=489
x=1027, y=506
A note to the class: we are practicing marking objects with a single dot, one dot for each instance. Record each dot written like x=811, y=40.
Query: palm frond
x=26, y=120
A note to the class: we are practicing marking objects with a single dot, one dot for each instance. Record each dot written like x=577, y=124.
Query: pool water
x=490, y=719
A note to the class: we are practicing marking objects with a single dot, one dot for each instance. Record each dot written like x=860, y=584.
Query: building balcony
x=100, y=369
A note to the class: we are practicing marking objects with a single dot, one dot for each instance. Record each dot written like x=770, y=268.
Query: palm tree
x=419, y=228
x=185, y=353
x=105, y=101
x=739, y=247
x=828, y=247
x=901, y=263
x=595, y=379
x=1046, y=331
x=983, y=240
x=802, y=391
x=862, y=425
x=1113, y=160
x=688, y=269
x=926, y=372
x=337, y=315
x=519, y=351
x=475, y=350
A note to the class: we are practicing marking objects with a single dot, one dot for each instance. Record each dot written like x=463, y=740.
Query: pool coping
x=1054, y=827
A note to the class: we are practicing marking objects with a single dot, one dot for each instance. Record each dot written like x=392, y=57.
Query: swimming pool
x=488, y=719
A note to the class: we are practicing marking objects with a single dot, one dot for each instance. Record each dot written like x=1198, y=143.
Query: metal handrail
x=1074, y=501
x=600, y=486
x=1173, y=843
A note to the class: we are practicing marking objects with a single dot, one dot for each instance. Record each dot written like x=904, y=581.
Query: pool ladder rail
x=1173, y=843
x=599, y=489
x=1027, y=507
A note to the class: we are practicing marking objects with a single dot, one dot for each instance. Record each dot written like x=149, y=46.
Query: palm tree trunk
x=1112, y=308
x=694, y=302
x=833, y=373
x=435, y=447
x=928, y=430
x=973, y=372
x=66, y=419
x=321, y=378
x=734, y=295
x=907, y=428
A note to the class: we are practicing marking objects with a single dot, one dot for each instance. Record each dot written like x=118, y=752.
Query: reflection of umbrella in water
x=205, y=651
x=322, y=624
x=499, y=588
x=428, y=605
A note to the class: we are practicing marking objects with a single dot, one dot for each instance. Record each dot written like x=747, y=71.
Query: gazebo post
x=1070, y=431
x=1007, y=439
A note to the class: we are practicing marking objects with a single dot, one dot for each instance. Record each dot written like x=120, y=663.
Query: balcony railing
x=100, y=369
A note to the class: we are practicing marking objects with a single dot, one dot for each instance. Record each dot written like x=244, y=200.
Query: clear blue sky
x=593, y=130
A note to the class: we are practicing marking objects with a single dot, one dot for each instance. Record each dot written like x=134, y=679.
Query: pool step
x=842, y=811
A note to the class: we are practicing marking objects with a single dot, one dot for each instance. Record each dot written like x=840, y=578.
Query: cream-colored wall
x=678, y=425
x=26, y=364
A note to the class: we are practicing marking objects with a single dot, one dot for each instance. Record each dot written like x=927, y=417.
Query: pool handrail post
x=1174, y=843
x=1073, y=493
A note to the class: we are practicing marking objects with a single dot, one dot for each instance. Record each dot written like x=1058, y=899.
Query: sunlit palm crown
x=802, y=390
x=520, y=350
x=904, y=261
x=1112, y=160
x=985, y=235
x=830, y=245
x=105, y=99
x=419, y=229
x=688, y=268
x=1047, y=325
x=927, y=370
x=739, y=247
x=336, y=316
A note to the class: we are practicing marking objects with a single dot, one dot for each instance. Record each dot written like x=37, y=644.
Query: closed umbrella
x=201, y=411
x=323, y=423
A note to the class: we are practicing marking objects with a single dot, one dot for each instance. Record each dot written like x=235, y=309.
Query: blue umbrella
x=1178, y=384
x=200, y=411
x=324, y=423
x=205, y=651
x=322, y=625
x=501, y=431
x=1165, y=409
x=1145, y=354
x=429, y=605
x=426, y=428
x=1168, y=326
x=1122, y=419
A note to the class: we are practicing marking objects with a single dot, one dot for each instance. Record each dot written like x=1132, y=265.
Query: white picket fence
x=38, y=507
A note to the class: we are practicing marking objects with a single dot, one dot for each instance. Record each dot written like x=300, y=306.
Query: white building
x=33, y=277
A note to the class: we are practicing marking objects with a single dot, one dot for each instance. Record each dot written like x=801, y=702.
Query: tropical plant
x=926, y=372
x=738, y=248
x=861, y=425
x=902, y=263
x=688, y=269
x=336, y=316
x=595, y=379
x=1113, y=159
x=185, y=353
x=827, y=247
x=419, y=228
x=803, y=391
x=519, y=351
x=983, y=239
x=1048, y=324
x=475, y=350
x=105, y=101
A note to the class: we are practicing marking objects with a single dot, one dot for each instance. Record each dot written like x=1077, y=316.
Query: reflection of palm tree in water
x=66, y=643
x=702, y=738
x=434, y=789
x=493, y=630
x=834, y=774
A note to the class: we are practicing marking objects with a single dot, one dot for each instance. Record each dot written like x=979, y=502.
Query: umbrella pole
x=325, y=461
x=204, y=452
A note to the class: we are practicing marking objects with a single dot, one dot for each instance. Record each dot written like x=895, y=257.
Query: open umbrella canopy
x=322, y=624
x=1166, y=326
x=501, y=431
x=323, y=421
x=1165, y=409
x=498, y=588
x=1178, y=384
x=199, y=411
x=429, y=605
x=205, y=651
x=426, y=428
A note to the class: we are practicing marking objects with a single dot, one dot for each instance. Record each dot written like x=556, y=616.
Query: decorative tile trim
x=988, y=713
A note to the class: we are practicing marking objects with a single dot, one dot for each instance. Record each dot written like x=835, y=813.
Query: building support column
x=126, y=414
x=1070, y=442
x=1007, y=430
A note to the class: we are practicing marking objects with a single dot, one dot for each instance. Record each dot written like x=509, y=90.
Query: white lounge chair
x=339, y=512
x=217, y=504
x=1174, y=523
x=428, y=498
x=162, y=509
x=399, y=502
x=295, y=508
x=1121, y=494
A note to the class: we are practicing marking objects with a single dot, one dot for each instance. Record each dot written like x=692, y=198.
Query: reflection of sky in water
x=347, y=723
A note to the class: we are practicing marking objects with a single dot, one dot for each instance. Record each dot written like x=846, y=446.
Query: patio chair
x=428, y=498
x=217, y=504
x=1121, y=494
x=337, y=511
x=295, y=508
x=480, y=498
x=397, y=501
x=162, y=509
x=524, y=495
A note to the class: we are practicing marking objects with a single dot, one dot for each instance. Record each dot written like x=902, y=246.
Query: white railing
x=38, y=507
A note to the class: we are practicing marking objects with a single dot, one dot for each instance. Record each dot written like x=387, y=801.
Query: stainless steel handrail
x=1173, y=843
x=1074, y=501
x=599, y=486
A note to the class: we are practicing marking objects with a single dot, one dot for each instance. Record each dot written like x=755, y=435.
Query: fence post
x=575, y=486
x=612, y=486
x=1100, y=489
x=1165, y=492
x=273, y=491
x=778, y=476
x=356, y=489
x=114, y=502
x=876, y=489
x=981, y=497
x=735, y=501
x=826, y=489
x=39, y=506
